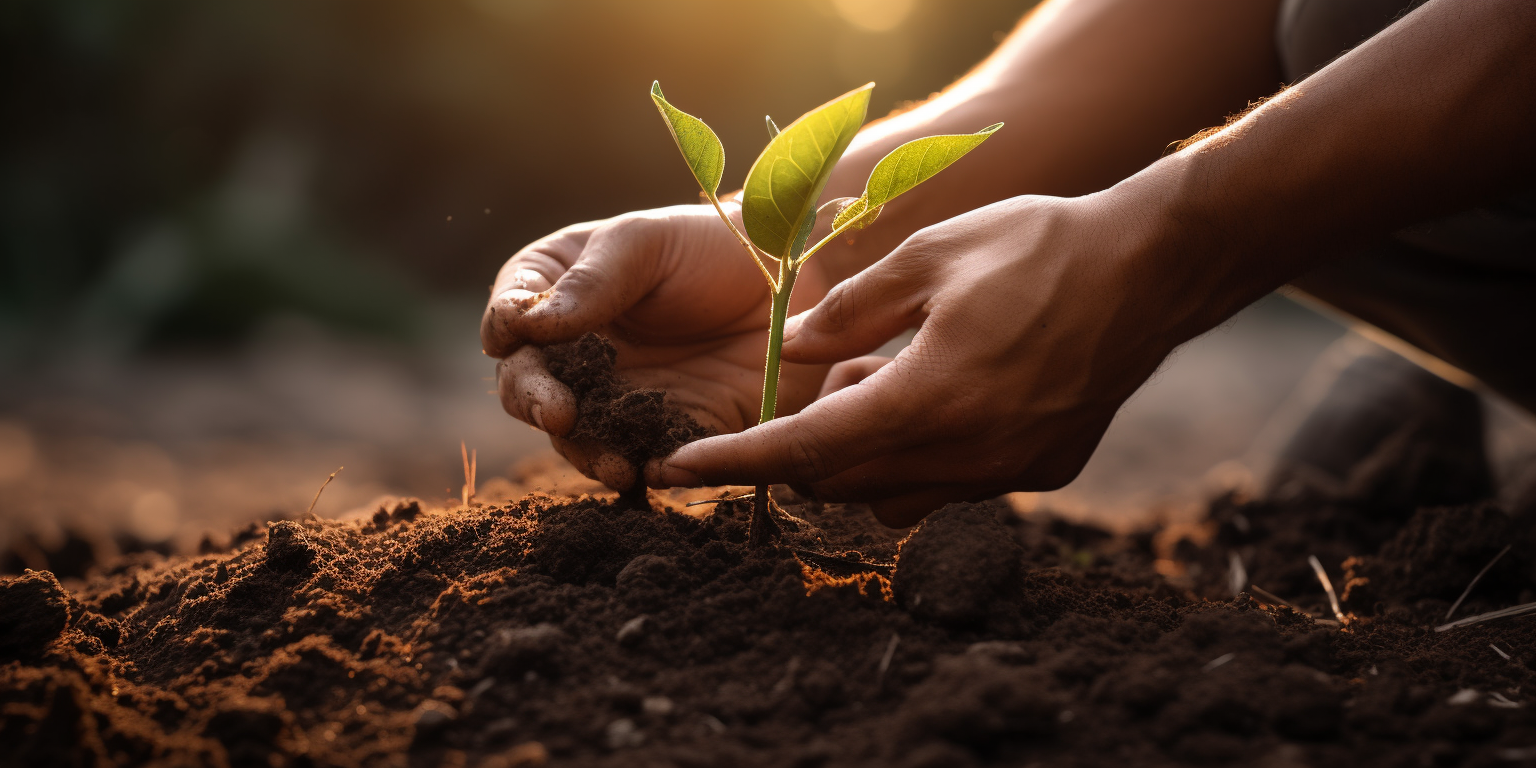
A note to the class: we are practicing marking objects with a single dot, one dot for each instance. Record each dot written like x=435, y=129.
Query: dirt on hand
x=577, y=631
x=635, y=423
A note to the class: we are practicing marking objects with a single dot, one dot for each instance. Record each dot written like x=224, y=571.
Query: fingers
x=844, y=430
x=520, y=285
x=614, y=471
x=498, y=326
x=851, y=372
x=864, y=311
x=616, y=268
x=592, y=461
x=528, y=392
x=580, y=456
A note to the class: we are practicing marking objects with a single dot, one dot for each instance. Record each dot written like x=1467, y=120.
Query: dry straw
x=1333, y=597
x=1475, y=580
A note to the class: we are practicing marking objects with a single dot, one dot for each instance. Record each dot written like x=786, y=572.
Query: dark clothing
x=1461, y=287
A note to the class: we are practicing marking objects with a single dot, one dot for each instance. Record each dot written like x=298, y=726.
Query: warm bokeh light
x=874, y=15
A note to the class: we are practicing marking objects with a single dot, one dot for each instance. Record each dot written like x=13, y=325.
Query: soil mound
x=635, y=423
x=580, y=631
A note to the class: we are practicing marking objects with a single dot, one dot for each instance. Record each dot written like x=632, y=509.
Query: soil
x=635, y=423
x=625, y=631
x=586, y=631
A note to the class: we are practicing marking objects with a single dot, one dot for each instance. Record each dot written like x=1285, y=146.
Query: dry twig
x=1475, y=580
x=1333, y=597
x=1237, y=573
x=468, y=491
x=885, y=660
x=1518, y=610
x=1275, y=599
x=316, y=499
x=1218, y=661
x=720, y=500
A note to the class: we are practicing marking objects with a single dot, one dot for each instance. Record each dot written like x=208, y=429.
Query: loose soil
x=585, y=631
x=635, y=423
x=603, y=631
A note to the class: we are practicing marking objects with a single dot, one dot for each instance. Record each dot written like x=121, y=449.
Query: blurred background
x=245, y=243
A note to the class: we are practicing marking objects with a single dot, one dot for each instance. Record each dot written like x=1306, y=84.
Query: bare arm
x=1435, y=114
x=1092, y=91
x=1041, y=315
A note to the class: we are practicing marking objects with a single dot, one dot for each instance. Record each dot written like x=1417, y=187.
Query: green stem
x=834, y=233
x=775, y=342
x=763, y=530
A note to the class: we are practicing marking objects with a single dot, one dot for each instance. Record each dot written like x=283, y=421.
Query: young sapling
x=779, y=211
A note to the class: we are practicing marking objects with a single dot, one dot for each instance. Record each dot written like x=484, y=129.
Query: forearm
x=1435, y=114
x=1091, y=91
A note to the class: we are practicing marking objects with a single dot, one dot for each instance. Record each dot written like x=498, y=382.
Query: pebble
x=287, y=547
x=657, y=706
x=524, y=650
x=623, y=733
x=35, y=611
x=632, y=631
x=432, y=714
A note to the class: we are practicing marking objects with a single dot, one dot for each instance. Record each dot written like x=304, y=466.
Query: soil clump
x=635, y=423
x=580, y=631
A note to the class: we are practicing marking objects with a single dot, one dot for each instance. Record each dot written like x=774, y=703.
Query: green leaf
x=783, y=185
x=849, y=215
x=773, y=130
x=917, y=161
x=700, y=146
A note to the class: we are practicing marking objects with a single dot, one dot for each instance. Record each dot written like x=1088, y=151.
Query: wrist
x=1206, y=243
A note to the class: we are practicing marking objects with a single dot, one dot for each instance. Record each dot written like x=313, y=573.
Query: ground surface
x=168, y=448
x=576, y=631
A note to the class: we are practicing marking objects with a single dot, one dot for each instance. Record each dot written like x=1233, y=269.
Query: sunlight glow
x=874, y=15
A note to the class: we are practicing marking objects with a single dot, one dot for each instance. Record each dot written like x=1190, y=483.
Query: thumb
x=616, y=268
x=862, y=312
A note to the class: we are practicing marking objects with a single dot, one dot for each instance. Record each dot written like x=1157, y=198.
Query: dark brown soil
x=635, y=423
x=576, y=631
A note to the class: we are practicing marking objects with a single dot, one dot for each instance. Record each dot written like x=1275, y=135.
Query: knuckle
x=627, y=228
x=923, y=243
x=809, y=460
x=836, y=310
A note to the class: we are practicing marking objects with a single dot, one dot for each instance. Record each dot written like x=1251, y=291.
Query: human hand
x=678, y=297
x=1039, y=318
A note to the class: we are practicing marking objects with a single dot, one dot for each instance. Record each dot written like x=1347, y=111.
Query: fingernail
x=537, y=413
x=676, y=477
x=791, y=327
x=522, y=278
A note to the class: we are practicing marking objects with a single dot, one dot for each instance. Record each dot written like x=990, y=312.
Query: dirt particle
x=624, y=734
x=633, y=631
x=520, y=650
x=36, y=611
x=288, y=549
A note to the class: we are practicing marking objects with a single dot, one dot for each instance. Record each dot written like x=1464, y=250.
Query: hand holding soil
x=669, y=288
x=1034, y=331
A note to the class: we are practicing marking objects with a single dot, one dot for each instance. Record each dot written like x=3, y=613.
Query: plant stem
x=762, y=527
x=830, y=235
x=745, y=243
x=775, y=342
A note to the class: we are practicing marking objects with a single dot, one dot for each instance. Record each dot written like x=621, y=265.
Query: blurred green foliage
x=173, y=171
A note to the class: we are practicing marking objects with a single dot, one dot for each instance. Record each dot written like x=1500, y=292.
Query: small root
x=763, y=530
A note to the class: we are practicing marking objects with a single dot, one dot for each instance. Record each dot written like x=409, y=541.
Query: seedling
x=778, y=205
